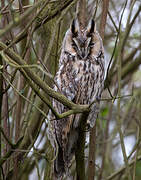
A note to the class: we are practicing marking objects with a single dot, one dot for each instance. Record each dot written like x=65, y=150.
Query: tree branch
x=80, y=147
x=30, y=74
x=20, y=19
x=104, y=18
x=49, y=15
x=121, y=170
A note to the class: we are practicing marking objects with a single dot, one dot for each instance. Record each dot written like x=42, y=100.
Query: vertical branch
x=104, y=148
x=119, y=68
x=137, y=152
x=18, y=113
x=19, y=106
x=81, y=13
x=4, y=105
x=92, y=148
x=118, y=111
x=79, y=152
x=1, y=89
x=6, y=127
x=104, y=17
x=92, y=145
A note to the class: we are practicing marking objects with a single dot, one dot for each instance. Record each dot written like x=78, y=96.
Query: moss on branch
x=31, y=76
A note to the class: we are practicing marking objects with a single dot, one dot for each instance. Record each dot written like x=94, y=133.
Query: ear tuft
x=91, y=27
x=74, y=27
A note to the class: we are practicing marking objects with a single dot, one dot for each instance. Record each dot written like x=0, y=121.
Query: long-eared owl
x=81, y=79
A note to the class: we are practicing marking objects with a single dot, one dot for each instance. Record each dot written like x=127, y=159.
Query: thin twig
x=121, y=170
x=25, y=97
x=20, y=19
x=118, y=107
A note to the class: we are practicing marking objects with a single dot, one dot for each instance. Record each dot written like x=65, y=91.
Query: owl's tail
x=59, y=165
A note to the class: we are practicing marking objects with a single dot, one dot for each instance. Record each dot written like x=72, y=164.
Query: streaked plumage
x=80, y=78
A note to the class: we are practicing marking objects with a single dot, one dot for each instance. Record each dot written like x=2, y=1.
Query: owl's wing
x=65, y=85
x=99, y=86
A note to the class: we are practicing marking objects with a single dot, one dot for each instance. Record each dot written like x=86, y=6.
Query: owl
x=80, y=78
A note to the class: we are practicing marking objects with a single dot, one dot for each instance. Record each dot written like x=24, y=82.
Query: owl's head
x=80, y=41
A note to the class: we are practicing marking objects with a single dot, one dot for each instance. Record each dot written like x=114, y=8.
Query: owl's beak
x=83, y=53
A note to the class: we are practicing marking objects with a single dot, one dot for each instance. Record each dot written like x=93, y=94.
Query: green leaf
x=138, y=169
x=104, y=112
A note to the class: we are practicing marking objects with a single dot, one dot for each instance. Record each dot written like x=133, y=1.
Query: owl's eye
x=91, y=44
x=74, y=46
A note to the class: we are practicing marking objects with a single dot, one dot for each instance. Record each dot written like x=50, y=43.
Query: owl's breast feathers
x=81, y=77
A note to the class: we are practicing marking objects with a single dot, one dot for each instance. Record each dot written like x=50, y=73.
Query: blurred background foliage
x=26, y=152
